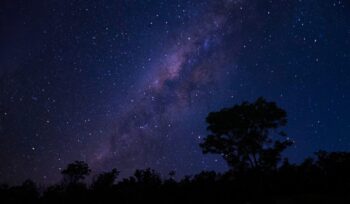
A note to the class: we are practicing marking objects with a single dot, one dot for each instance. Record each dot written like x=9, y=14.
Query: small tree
x=147, y=177
x=105, y=180
x=243, y=135
x=76, y=172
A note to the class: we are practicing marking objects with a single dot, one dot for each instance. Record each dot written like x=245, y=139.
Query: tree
x=148, y=177
x=76, y=172
x=334, y=165
x=105, y=180
x=243, y=135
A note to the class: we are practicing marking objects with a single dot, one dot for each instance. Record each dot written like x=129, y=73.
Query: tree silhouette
x=76, y=172
x=247, y=136
x=147, y=176
x=243, y=135
x=105, y=180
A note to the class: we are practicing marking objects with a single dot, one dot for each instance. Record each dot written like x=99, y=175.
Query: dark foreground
x=325, y=179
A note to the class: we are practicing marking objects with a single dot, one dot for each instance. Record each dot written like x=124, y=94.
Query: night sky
x=128, y=83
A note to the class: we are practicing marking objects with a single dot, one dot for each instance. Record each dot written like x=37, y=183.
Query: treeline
x=249, y=138
x=325, y=179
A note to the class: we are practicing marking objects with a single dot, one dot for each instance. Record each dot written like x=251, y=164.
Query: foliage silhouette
x=148, y=177
x=323, y=178
x=76, y=172
x=243, y=135
x=105, y=180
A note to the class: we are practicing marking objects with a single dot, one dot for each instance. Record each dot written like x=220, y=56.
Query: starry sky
x=128, y=83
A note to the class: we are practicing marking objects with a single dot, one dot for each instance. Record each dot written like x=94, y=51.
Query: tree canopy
x=247, y=135
x=76, y=172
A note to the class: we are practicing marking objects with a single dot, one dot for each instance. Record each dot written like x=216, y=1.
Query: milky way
x=189, y=67
x=127, y=84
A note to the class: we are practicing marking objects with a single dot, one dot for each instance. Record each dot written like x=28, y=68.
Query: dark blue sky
x=128, y=83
